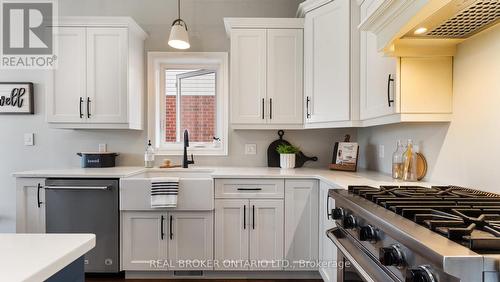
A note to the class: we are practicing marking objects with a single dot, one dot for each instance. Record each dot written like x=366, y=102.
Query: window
x=188, y=92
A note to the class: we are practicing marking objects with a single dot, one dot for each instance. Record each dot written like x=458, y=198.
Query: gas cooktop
x=466, y=216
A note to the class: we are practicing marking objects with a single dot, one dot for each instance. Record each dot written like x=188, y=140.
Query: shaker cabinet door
x=266, y=233
x=378, y=75
x=107, y=53
x=144, y=239
x=231, y=233
x=248, y=76
x=66, y=101
x=301, y=220
x=284, y=75
x=327, y=63
x=30, y=205
x=190, y=239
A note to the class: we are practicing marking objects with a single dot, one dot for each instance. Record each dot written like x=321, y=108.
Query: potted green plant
x=287, y=155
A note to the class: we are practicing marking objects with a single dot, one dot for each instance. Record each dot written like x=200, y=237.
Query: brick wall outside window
x=197, y=115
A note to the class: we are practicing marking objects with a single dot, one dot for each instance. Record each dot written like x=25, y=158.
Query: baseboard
x=289, y=275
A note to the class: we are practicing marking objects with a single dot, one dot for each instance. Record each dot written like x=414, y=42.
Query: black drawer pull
x=253, y=217
x=249, y=189
x=162, y=234
x=244, y=216
x=171, y=230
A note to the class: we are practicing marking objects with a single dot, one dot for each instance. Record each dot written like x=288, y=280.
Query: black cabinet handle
x=270, y=108
x=80, y=107
x=263, y=107
x=389, y=80
x=253, y=217
x=88, y=107
x=249, y=189
x=244, y=216
x=39, y=203
x=170, y=227
x=308, y=100
x=162, y=234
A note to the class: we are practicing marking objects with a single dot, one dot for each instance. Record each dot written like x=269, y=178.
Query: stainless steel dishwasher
x=87, y=206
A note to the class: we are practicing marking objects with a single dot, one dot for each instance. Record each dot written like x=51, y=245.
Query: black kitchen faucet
x=185, y=161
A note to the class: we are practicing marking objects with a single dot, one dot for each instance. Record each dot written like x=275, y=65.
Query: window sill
x=165, y=152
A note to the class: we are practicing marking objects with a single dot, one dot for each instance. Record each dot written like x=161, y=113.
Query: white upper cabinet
x=107, y=75
x=284, y=75
x=327, y=63
x=378, y=74
x=266, y=72
x=402, y=89
x=98, y=81
x=248, y=76
x=66, y=102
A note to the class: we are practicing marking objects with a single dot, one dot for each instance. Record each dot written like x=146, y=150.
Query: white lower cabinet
x=190, y=238
x=231, y=233
x=144, y=241
x=327, y=250
x=166, y=240
x=301, y=221
x=249, y=234
x=30, y=206
x=266, y=234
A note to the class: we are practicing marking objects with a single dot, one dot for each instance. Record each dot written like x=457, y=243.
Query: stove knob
x=368, y=233
x=349, y=222
x=420, y=274
x=338, y=213
x=391, y=256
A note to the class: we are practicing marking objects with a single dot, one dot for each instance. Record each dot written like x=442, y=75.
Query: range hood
x=458, y=19
x=429, y=27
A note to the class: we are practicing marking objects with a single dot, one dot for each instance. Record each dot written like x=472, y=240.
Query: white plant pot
x=287, y=160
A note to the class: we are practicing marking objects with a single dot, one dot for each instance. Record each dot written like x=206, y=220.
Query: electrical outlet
x=381, y=151
x=250, y=149
x=29, y=139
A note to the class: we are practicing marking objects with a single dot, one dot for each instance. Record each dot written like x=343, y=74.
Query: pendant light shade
x=179, y=38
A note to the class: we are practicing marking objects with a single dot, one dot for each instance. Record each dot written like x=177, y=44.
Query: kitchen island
x=43, y=257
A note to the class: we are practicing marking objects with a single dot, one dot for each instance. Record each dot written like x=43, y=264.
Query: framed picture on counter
x=16, y=98
x=345, y=156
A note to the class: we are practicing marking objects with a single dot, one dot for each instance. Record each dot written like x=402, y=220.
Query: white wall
x=56, y=148
x=465, y=151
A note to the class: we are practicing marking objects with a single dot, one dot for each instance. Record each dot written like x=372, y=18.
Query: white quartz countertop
x=339, y=179
x=111, y=172
x=36, y=257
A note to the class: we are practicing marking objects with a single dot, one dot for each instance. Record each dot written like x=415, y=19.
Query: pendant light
x=179, y=38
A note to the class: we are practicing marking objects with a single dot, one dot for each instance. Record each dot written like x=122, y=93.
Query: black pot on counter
x=97, y=160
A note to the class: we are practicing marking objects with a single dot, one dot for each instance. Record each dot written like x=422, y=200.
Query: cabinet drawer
x=249, y=188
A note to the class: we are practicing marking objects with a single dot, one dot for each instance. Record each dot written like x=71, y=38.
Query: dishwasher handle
x=77, y=187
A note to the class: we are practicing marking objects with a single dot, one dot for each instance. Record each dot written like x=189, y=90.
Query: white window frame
x=158, y=62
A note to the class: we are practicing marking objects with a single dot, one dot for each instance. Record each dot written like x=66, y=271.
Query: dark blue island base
x=73, y=272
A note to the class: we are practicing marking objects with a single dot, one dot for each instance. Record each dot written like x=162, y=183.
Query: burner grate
x=467, y=216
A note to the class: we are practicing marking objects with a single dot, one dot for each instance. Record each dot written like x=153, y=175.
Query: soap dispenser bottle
x=149, y=156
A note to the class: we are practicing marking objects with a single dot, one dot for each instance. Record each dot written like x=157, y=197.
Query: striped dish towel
x=164, y=192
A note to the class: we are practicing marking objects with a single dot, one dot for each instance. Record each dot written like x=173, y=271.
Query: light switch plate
x=250, y=149
x=29, y=139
